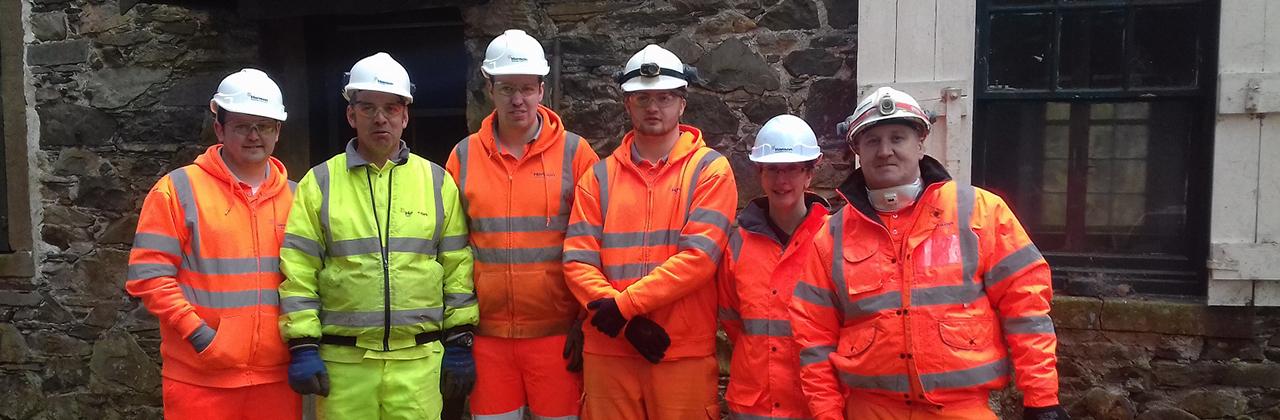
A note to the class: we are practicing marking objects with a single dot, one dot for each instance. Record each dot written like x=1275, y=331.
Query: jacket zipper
x=386, y=273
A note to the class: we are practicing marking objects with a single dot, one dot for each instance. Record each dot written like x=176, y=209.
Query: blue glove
x=608, y=318
x=307, y=374
x=1053, y=412
x=458, y=371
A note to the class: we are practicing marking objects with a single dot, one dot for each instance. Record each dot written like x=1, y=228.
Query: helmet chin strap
x=892, y=199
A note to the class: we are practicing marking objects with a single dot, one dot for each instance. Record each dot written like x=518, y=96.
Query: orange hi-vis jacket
x=756, y=281
x=650, y=235
x=935, y=323
x=518, y=210
x=206, y=254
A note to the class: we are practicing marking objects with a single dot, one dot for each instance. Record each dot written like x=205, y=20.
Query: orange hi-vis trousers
x=631, y=388
x=514, y=375
x=273, y=401
x=857, y=408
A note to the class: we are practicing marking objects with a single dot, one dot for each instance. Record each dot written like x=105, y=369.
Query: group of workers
x=539, y=281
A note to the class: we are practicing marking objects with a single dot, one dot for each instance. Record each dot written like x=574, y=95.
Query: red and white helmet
x=885, y=103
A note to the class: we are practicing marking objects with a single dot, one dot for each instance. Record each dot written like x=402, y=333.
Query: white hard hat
x=514, y=52
x=785, y=139
x=654, y=68
x=885, y=103
x=381, y=73
x=249, y=91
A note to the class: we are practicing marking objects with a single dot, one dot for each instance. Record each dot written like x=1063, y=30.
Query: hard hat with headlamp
x=655, y=68
x=884, y=104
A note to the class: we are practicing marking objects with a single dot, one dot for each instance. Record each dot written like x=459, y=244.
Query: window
x=1094, y=121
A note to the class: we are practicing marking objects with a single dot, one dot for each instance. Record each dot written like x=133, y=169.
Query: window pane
x=1092, y=54
x=1020, y=47
x=1166, y=44
x=1131, y=189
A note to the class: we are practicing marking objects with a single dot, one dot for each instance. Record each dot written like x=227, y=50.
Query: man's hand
x=307, y=374
x=458, y=371
x=1053, y=412
x=573, y=347
x=649, y=338
x=608, y=319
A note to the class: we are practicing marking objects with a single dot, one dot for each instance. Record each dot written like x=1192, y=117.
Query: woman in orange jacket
x=923, y=294
x=758, y=275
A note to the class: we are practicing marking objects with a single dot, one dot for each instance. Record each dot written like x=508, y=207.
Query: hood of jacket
x=211, y=162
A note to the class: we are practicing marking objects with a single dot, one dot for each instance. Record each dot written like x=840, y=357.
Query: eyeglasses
x=775, y=169
x=371, y=110
x=265, y=129
x=507, y=91
x=663, y=100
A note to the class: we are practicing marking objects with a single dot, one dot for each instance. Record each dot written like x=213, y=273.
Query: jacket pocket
x=744, y=374
x=493, y=292
x=857, y=339
x=230, y=346
x=967, y=334
x=857, y=278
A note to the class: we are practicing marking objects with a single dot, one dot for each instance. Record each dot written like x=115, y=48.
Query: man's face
x=516, y=99
x=889, y=155
x=247, y=139
x=655, y=112
x=785, y=183
x=379, y=119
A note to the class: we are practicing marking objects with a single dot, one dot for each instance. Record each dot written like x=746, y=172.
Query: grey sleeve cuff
x=202, y=337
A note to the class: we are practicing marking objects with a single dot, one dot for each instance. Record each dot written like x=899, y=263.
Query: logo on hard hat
x=257, y=98
x=887, y=105
x=384, y=82
x=515, y=59
x=650, y=70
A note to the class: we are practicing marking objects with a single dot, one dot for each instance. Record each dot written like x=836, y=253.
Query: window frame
x=19, y=261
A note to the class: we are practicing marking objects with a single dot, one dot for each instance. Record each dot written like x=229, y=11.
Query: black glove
x=648, y=338
x=458, y=371
x=573, y=347
x=608, y=319
x=307, y=374
x=1053, y=412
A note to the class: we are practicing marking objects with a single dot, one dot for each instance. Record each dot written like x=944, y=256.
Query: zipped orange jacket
x=206, y=255
x=650, y=235
x=756, y=282
x=939, y=321
x=518, y=210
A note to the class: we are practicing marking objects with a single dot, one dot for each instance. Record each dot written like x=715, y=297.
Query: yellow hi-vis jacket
x=378, y=254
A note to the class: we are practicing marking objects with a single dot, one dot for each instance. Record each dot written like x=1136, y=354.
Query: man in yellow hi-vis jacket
x=378, y=302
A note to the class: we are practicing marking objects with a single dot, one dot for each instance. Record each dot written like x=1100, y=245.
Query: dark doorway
x=429, y=43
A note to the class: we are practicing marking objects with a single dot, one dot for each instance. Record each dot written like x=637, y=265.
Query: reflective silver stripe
x=464, y=160
x=601, y=170
x=733, y=415
x=946, y=295
x=303, y=245
x=321, y=174
x=871, y=304
x=187, y=200
x=633, y=239
x=350, y=247
x=230, y=300
x=582, y=256
x=453, y=243
x=584, y=229
x=702, y=243
x=231, y=266
x=815, y=354
x=840, y=292
x=456, y=300
x=411, y=246
x=518, y=255
x=728, y=314
x=968, y=239
x=621, y=272
x=1012, y=263
x=767, y=327
x=965, y=378
x=1029, y=325
x=293, y=304
x=517, y=414
x=815, y=295
x=437, y=185
x=375, y=318
x=891, y=383
x=707, y=158
x=735, y=243
x=149, y=271
x=711, y=217
x=157, y=242
x=567, y=180
x=519, y=224
x=537, y=417
x=293, y=186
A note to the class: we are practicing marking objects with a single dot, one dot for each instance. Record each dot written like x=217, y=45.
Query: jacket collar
x=755, y=217
x=689, y=142
x=854, y=189
x=354, y=159
x=211, y=162
x=550, y=130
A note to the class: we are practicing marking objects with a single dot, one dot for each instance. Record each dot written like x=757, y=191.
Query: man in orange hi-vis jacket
x=517, y=176
x=205, y=262
x=922, y=294
x=648, y=226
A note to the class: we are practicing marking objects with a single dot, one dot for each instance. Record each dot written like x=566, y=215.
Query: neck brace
x=892, y=199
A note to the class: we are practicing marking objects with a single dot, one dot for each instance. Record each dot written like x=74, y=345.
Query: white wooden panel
x=1271, y=37
x=877, y=33
x=916, y=40
x=1269, y=186
x=953, y=51
x=1249, y=93
x=1244, y=261
x=1266, y=293
x=1235, y=180
x=1241, y=49
x=1231, y=292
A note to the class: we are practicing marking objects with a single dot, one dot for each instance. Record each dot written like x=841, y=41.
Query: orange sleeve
x=1018, y=283
x=157, y=251
x=815, y=323
x=702, y=241
x=585, y=157
x=582, y=265
x=729, y=311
